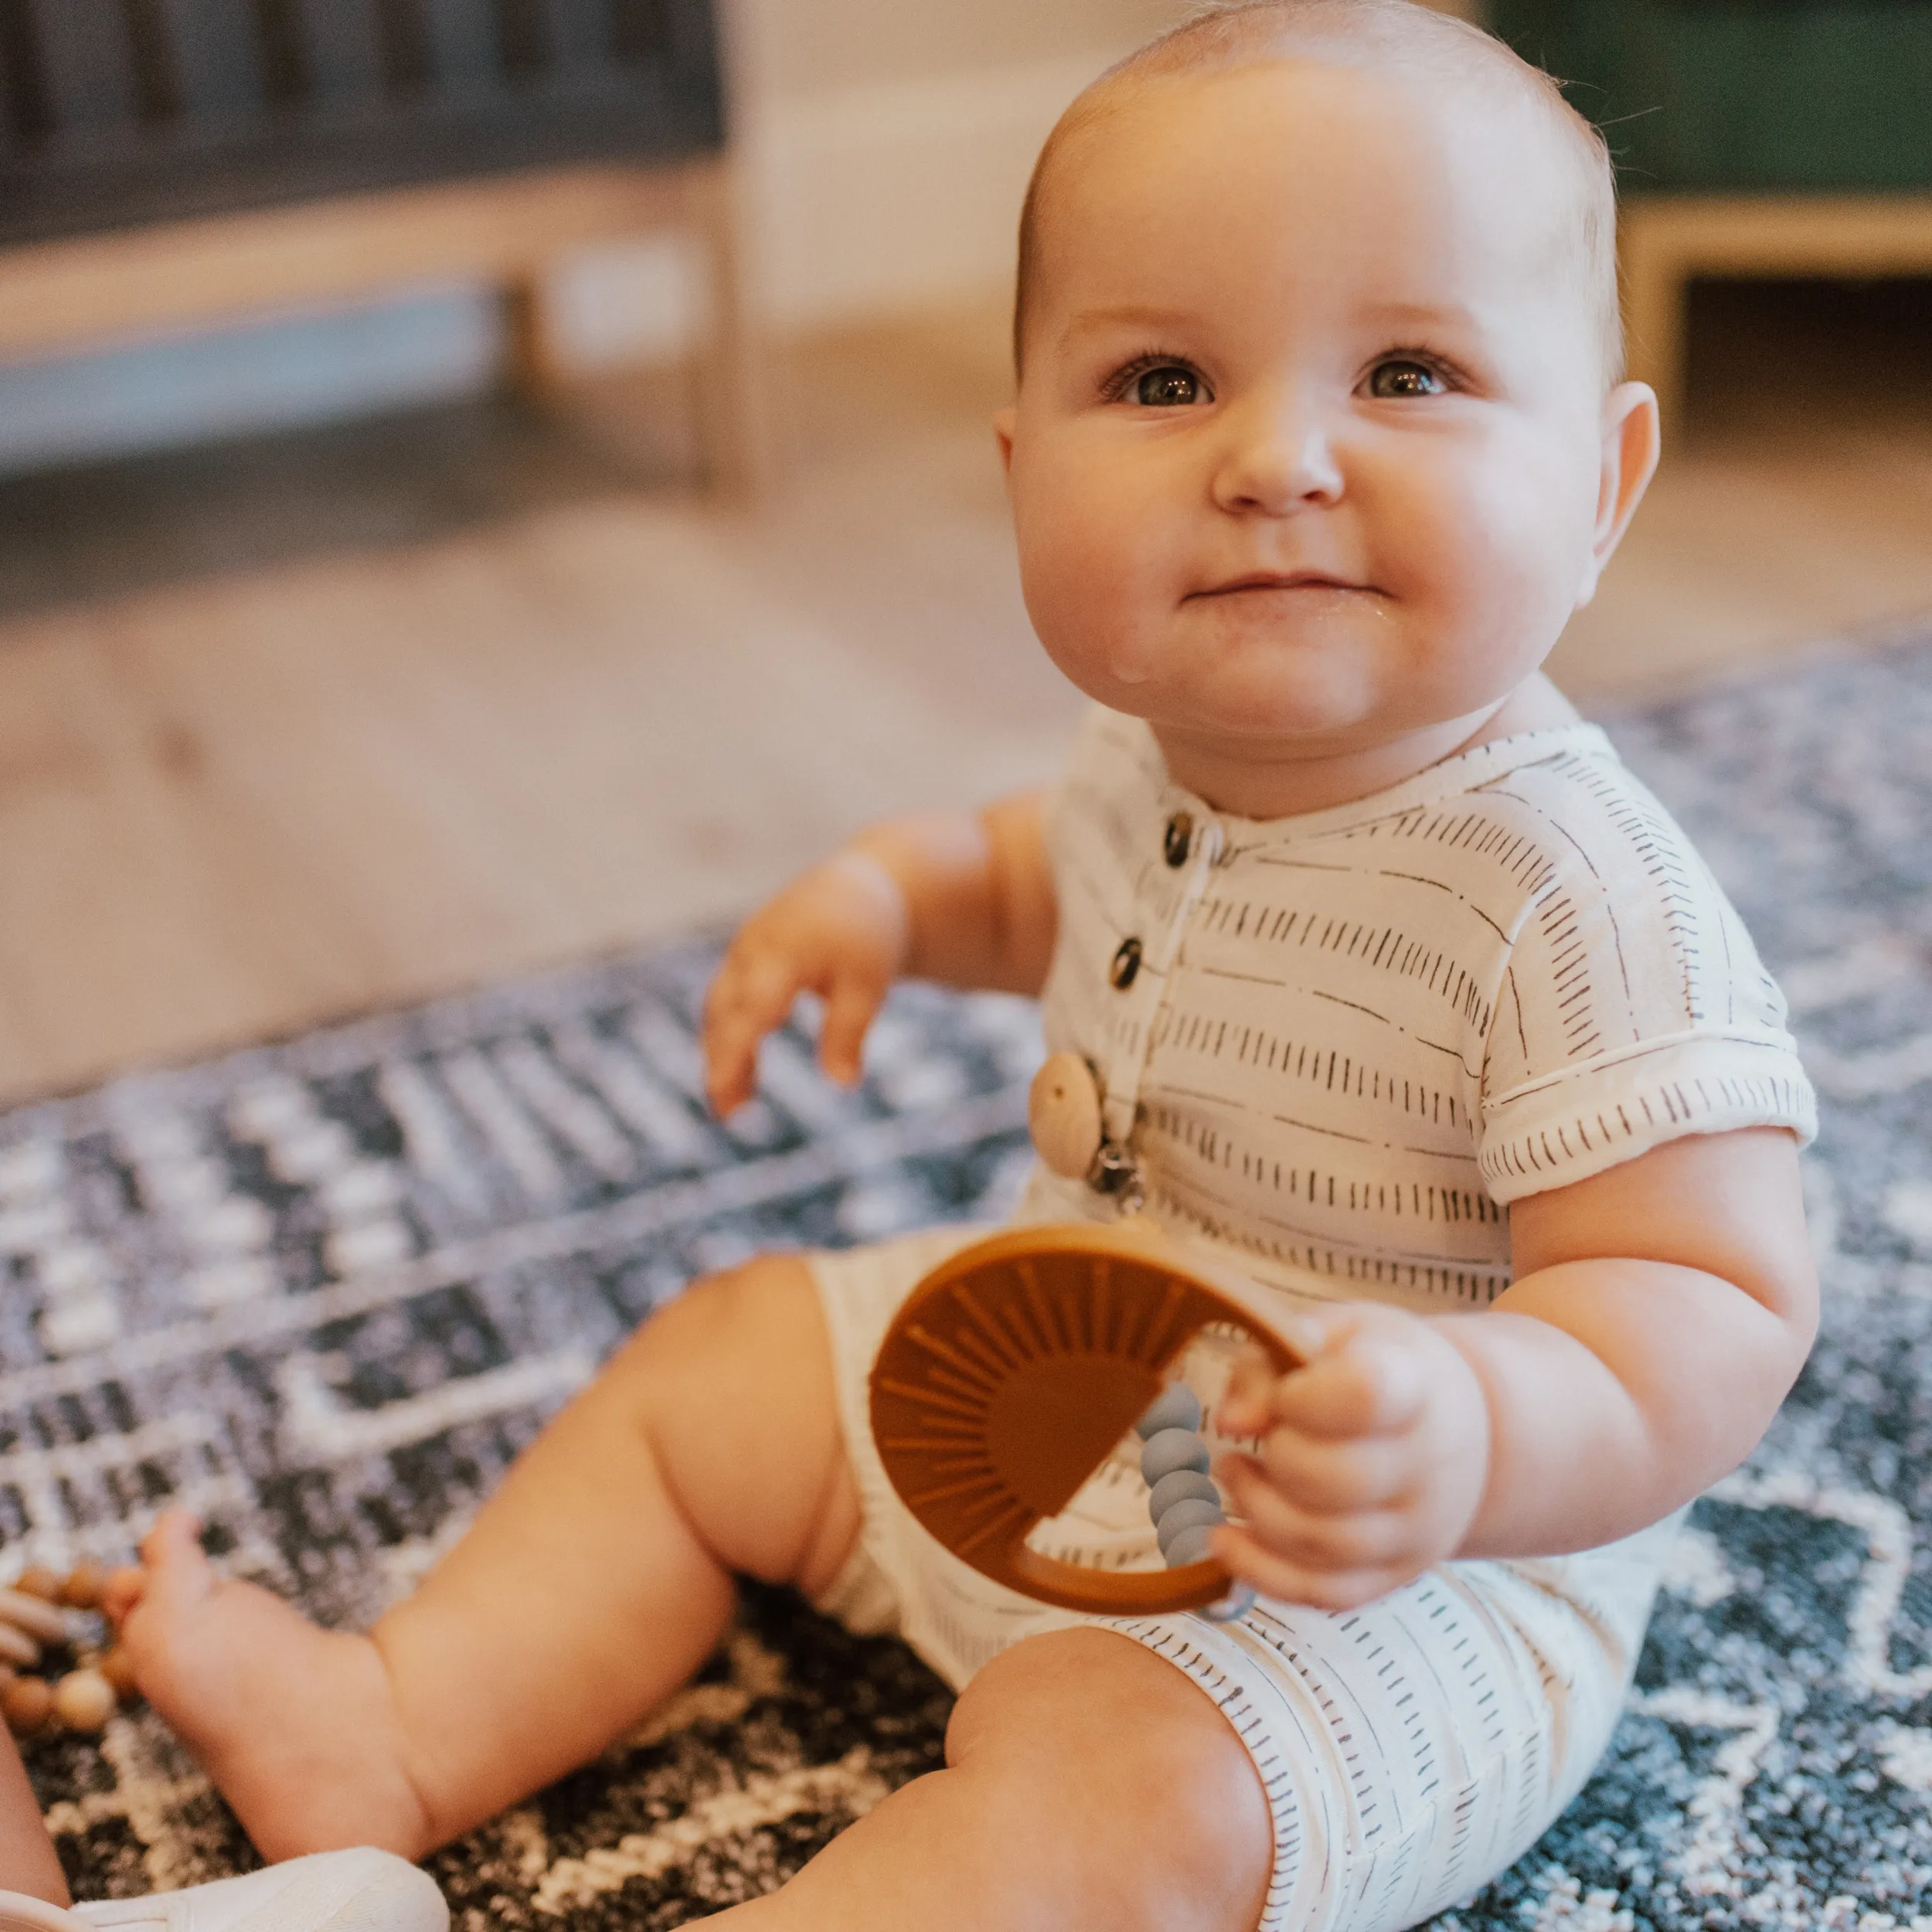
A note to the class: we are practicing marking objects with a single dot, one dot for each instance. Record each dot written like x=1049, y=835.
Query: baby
x=1401, y=994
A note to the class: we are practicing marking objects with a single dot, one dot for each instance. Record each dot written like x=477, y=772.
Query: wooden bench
x=1785, y=139
x=169, y=164
x=1667, y=241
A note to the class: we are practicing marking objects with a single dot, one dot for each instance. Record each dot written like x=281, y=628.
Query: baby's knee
x=733, y=1386
x=770, y=1295
x=1085, y=1739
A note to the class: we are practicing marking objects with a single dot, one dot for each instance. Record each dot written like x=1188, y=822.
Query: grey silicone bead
x=1237, y=1603
x=1193, y=1514
x=1175, y=1407
x=1173, y=1449
x=1177, y=1488
x=1190, y=1547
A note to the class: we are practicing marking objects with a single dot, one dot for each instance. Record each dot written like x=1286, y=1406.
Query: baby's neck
x=1247, y=779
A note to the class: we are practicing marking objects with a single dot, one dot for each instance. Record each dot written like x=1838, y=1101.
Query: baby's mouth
x=1265, y=580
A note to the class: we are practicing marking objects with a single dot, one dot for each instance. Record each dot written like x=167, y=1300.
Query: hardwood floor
x=299, y=728
x=1795, y=504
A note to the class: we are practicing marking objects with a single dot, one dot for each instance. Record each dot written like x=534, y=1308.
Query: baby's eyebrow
x=1125, y=315
x=1156, y=318
x=1421, y=314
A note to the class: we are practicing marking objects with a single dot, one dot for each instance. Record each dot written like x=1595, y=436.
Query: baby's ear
x=1629, y=461
x=1003, y=435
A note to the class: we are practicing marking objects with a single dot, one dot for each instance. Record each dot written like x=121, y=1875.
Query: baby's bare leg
x=1089, y=1784
x=29, y=1862
x=592, y=1584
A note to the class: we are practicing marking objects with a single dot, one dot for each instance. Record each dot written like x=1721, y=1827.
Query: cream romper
x=1340, y=1045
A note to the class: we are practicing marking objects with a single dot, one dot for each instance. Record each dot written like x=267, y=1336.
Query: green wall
x=1743, y=93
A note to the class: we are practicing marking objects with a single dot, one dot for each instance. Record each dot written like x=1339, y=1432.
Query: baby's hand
x=839, y=930
x=1371, y=1461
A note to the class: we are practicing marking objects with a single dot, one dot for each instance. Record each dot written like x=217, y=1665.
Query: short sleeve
x=1633, y=1008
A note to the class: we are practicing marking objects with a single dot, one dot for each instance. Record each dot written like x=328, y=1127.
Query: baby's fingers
x=730, y=1064
x=1346, y=1538
x=1247, y=1406
x=1369, y=1385
x=1290, y=1581
x=1359, y=1472
x=751, y=994
x=850, y=1008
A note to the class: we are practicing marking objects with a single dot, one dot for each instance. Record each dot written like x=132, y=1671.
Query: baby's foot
x=295, y=1726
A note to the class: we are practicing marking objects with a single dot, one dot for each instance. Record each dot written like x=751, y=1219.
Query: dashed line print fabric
x=1353, y=1036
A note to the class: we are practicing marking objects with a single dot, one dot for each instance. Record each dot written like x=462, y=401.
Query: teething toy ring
x=1013, y=1369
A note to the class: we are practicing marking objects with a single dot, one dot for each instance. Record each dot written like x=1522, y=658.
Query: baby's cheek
x=1087, y=590
x=1503, y=559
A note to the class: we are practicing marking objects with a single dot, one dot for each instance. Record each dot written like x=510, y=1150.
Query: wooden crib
x=166, y=165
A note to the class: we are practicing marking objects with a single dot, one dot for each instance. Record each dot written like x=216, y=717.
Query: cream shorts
x=1410, y=1749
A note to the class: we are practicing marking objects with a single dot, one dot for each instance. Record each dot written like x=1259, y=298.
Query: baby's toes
x=122, y=1589
x=177, y=1579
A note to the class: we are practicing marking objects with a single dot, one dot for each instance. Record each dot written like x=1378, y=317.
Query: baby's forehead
x=1486, y=141
x=1423, y=139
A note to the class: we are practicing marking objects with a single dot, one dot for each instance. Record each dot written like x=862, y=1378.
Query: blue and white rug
x=323, y=1292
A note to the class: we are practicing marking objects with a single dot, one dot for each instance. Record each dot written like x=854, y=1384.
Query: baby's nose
x=1277, y=460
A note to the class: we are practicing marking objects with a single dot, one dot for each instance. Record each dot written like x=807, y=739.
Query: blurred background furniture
x=330, y=679
x=169, y=164
x=1753, y=138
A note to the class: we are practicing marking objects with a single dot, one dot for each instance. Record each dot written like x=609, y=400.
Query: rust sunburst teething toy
x=1014, y=1369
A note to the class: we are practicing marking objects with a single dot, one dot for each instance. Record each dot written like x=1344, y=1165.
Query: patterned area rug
x=323, y=1292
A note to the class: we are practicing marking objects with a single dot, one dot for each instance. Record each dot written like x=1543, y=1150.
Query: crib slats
x=640, y=30
x=342, y=51
x=579, y=34
x=113, y=112
x=463, y=52
x=85, y=68
x=216, y=61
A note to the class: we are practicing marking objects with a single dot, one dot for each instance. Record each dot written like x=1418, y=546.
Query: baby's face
x=1308, y=452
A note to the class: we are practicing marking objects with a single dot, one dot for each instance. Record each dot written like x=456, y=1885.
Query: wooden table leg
x=733, y=399
x=1654, y=292
x=532, y=365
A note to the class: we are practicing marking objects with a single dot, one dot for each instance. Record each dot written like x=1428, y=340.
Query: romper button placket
x=1126, y=964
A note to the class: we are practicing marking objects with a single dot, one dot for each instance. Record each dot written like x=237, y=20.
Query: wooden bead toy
x=1016, y=1367
x=28, y=1702
x=84, y=1700
x=1063, y=1116
x=38, y=1616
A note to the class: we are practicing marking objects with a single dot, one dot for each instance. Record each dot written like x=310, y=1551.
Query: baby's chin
x=1274, y=694
x=1347, y=675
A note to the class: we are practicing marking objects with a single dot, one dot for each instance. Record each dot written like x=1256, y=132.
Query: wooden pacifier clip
x=1013, y=1370
x=1066, y=1119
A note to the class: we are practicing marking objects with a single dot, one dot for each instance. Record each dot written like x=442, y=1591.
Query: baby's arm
x=1660, y=1312
x=968, y=899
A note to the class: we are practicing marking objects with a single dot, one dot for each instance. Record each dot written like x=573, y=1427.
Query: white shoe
x=362, y=1890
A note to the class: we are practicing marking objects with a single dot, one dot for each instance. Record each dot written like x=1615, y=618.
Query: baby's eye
x=1169, y=386
x=1401, y=375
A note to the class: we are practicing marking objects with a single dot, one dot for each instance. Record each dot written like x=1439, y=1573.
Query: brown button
x=1127, y=963
x=1180, y=836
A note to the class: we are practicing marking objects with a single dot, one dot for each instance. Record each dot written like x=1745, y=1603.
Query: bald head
x=1393, y=36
